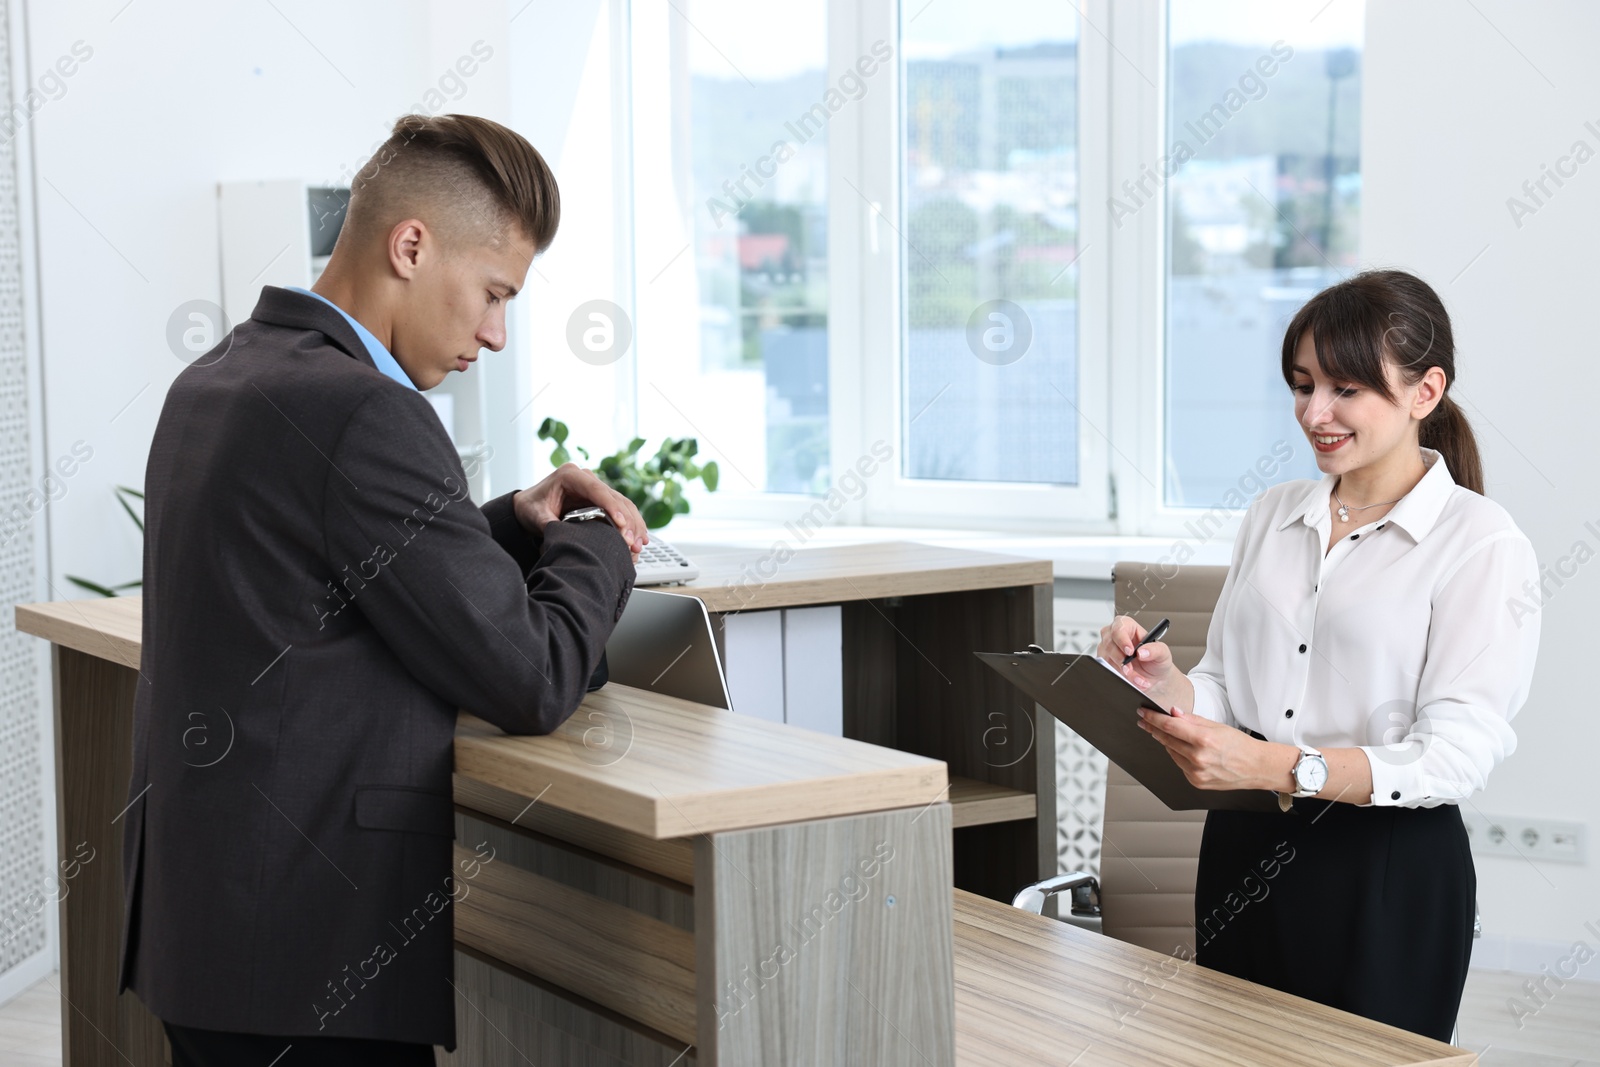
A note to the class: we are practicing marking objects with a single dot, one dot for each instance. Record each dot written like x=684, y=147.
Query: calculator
x=661, y=564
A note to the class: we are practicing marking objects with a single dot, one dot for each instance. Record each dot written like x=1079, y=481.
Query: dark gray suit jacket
x=320, y=596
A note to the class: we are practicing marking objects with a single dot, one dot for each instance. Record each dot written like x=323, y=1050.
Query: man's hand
x=571, y=486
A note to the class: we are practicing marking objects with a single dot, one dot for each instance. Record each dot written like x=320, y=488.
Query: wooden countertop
x=731, y=579
x=108, y=628
x=1031, y=990
x=741, y=579
x=663, y=767
x=650, y=764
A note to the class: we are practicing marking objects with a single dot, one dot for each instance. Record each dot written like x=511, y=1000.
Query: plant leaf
x=657, y=514
x=710, y=475
x=137, y=521
x=93, y=587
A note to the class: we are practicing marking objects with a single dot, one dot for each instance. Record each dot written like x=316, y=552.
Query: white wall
x=177, y=96
x=1460, y=109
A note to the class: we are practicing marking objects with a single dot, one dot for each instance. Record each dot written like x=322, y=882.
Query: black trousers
x=216, y=1048
x=1365, y=909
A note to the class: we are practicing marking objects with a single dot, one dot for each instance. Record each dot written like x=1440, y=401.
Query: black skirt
x=1365, y=909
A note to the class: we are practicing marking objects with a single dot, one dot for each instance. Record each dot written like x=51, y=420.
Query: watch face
x=1311, y=773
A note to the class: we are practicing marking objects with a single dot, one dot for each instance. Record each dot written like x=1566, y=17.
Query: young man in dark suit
x=320, y=596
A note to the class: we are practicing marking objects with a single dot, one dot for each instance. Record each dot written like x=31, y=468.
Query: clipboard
x=1101, y=706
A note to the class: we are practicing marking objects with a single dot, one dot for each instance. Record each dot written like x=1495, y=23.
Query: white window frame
x=1122, y=72
x=878, y=313
x=729, y=502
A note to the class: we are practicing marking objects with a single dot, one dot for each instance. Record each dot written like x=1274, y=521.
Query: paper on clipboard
x=1101, y=707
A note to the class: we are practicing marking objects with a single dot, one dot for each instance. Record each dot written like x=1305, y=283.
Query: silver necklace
x=1345, y=509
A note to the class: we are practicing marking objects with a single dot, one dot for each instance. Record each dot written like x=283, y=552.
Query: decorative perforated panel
x=25, y=890
x=1080, y=768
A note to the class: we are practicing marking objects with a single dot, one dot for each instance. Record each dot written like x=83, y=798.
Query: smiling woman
x=1385, y=332
x=1366, y=669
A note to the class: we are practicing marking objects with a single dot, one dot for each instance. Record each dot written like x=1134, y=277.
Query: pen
x=1154, y=635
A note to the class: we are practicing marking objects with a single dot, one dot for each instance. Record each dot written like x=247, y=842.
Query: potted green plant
x=655, y=483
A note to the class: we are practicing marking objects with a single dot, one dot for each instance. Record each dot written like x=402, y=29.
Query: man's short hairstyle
x=468, y=178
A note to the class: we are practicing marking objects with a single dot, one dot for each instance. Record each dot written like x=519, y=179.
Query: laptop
x=664, y=643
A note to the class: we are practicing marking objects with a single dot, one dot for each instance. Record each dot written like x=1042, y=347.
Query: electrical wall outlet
x=1531, y=838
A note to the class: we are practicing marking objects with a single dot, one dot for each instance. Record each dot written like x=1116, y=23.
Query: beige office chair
x=1148, y=853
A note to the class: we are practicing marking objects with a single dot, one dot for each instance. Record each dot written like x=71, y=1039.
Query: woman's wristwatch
x=1310, y=775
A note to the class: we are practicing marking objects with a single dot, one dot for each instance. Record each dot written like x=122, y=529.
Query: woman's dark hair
x=1389, y=314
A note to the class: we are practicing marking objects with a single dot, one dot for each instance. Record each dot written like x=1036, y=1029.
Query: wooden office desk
x=639, y=891
x=1031, y=990
x=738, y=579
x=912, y=616
x=635, y=885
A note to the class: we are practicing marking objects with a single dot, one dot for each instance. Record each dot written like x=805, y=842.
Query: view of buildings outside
x=990, y=220
x=1264, y=108
x=1263, y=189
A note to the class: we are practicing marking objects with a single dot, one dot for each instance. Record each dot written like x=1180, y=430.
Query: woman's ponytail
x=1447, y=430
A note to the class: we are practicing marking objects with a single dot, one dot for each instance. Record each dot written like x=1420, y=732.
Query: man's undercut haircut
x=471, y=180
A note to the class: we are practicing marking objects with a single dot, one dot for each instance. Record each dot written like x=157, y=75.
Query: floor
x=1562, y=1032
x=30, y=1026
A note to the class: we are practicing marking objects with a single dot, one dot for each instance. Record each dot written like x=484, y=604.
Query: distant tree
x=1184, y=254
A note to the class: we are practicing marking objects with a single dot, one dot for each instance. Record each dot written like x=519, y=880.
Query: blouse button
x=1395, y=795
x=1302, y=648
x=1289, y=714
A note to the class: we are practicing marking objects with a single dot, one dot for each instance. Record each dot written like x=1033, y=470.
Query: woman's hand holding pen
x=1152, y=669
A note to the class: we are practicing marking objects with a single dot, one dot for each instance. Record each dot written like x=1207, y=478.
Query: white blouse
x=1419, y=652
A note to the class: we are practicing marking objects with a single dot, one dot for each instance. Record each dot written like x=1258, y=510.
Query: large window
x=732, y=108
x=1026, y=262
x=989, y=209
x=1263, y=136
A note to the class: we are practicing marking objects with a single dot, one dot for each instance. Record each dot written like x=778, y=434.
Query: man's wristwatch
x=1310, y=775
x=585, y=514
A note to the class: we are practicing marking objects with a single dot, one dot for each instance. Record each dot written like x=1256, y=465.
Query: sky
x=775, y=40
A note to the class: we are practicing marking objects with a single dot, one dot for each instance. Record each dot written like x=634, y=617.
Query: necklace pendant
x=1344, y=514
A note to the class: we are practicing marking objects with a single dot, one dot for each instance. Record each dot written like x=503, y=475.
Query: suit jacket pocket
x=397, y=807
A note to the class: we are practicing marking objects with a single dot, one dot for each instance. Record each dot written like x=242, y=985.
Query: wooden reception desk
x=672, y=883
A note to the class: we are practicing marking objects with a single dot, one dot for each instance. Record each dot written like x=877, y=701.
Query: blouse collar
x=1416, y=512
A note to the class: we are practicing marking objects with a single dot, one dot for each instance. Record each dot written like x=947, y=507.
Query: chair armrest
x=1084, y=887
